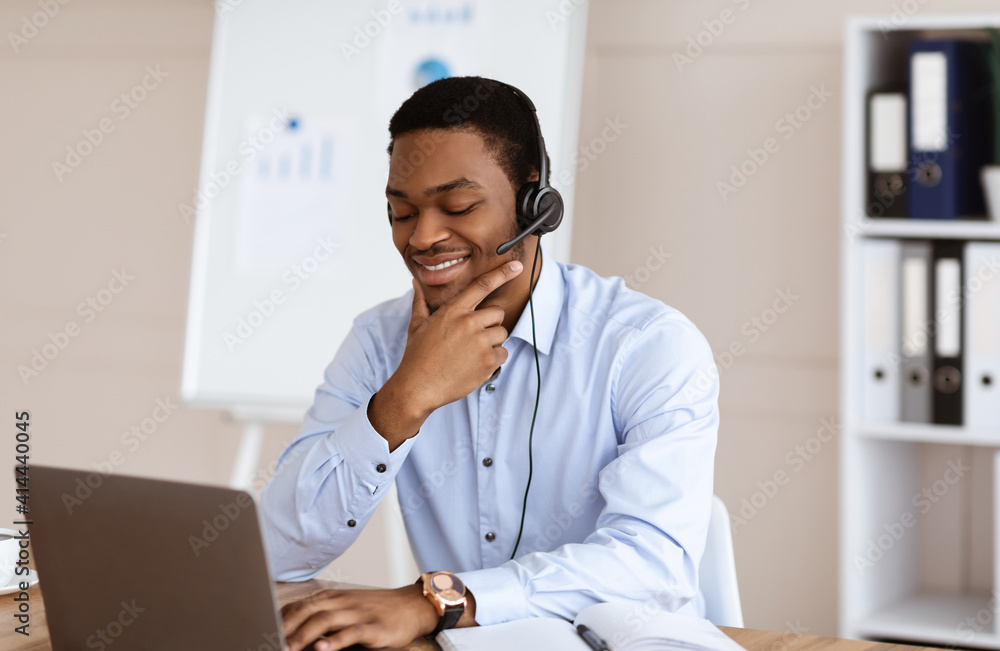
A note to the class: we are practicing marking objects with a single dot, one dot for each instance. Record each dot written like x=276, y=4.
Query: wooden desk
x=756, y=640
x=752, y=639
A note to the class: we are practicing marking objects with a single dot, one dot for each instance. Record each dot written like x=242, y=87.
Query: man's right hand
x=448, y=355
x=451, y=352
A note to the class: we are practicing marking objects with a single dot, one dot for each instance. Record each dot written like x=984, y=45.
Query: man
x=435, y=391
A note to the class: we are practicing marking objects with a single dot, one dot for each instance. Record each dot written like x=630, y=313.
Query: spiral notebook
x=622, y=626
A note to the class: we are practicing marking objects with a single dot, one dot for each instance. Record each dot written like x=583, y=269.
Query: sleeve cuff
x=365, y=450
x=499, y=595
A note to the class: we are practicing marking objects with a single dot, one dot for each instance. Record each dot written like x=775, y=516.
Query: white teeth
x=443, y=265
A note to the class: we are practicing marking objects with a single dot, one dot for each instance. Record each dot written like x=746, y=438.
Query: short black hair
x=484, y=106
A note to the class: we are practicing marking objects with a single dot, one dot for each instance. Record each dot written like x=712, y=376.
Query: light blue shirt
x=623, y=450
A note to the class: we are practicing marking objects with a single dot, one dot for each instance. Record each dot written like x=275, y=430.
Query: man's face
x=450, y=202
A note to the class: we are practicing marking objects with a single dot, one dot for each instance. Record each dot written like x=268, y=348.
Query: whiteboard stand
x=247, y=455
x=246, y=464
x=401, y=565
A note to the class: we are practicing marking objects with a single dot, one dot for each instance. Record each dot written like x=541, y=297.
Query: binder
x=946, y=378
x=915, y=332
x=982, y=335
x=950, y=129
x=880, y=364
x=887, y=155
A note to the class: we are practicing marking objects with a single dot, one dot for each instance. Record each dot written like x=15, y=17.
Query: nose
x=429, y=230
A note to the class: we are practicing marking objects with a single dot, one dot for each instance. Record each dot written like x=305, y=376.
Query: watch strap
x=448, y=620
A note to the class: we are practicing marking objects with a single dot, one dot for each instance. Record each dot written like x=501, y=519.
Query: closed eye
x=460, y=212
x=451, y=213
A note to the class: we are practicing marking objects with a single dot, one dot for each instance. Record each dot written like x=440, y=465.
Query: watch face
x=448, y=587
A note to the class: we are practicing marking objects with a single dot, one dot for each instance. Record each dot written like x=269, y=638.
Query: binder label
x=947, y=343
x=930, y=101
x=914, y=307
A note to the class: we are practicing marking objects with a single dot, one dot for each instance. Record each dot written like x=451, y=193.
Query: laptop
x=135, y=563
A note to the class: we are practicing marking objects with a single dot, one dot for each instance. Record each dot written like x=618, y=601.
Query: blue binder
x=950, y=129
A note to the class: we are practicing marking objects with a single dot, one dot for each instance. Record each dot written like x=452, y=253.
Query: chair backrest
x=717, y=573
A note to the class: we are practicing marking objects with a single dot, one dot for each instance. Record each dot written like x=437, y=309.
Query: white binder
x=887, y=135
x=880, y=320
x=982, y=336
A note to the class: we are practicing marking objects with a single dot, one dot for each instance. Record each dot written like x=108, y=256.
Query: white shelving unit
x=883, y=465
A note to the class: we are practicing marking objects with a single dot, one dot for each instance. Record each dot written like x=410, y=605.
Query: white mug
x=9, y=549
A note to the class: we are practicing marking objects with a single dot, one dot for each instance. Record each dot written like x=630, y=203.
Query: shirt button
x=490, y=537
x=490, y=388
x=487, y=462
x=380, y=467
x=351, y=523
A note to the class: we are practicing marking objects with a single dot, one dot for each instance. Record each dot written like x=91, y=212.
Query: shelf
x=927, y=228
x=937, y=618
x=928, y=433
x=953, y=551
x=880, y=24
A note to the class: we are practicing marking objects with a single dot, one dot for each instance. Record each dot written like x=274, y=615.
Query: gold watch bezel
x=440, y=595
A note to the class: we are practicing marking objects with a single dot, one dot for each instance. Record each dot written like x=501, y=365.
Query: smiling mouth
x=444, y=265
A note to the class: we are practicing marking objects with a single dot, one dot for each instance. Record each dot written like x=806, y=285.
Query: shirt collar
x=548, y=302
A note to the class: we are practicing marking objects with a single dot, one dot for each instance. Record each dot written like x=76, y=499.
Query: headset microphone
x=507, y=246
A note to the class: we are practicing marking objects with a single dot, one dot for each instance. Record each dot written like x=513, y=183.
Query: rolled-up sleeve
x=329, y=480
x=651, y=534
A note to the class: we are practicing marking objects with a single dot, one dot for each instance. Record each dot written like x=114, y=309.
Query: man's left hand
x=372, y=618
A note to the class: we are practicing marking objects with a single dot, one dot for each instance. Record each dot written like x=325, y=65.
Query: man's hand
x=451, y=352
x=372, y=618
x=447, y=355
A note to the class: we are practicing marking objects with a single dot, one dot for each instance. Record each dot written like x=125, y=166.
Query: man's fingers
x=489, y=316
x=481, y=287
x=293, y=614
x=496, y=335
x=420, y=310
x=324, y=622
x=344, y=638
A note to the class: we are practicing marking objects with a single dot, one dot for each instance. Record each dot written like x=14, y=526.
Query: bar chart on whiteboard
x=292, y=192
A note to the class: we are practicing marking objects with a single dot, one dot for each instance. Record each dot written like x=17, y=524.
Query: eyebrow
x=461, y=183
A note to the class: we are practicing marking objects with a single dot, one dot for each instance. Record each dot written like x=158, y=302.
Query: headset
x=539, y=208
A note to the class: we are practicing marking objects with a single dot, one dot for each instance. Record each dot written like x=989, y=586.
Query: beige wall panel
x=778, y=476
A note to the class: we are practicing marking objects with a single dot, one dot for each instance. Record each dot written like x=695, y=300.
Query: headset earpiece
x=533, y=202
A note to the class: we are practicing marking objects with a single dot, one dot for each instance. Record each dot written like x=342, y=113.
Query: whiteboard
x=291, y=238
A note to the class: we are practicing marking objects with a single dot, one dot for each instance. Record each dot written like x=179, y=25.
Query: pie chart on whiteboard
x=430, y=70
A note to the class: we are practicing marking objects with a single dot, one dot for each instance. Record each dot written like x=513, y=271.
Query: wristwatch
x=446, y=592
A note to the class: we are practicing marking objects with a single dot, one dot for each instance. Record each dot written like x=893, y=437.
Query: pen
x=591, y=638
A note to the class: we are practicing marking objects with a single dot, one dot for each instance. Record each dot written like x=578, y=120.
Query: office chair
x=717, y=573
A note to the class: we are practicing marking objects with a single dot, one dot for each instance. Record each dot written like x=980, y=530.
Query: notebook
x=623, y=626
